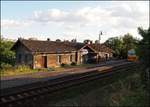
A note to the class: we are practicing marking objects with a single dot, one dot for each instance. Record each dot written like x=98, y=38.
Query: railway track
x=42, y=88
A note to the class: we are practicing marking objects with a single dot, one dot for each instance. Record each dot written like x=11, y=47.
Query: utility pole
x=100, y=33
x=99, y=46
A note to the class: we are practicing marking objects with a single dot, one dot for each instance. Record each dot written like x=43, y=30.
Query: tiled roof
x=54, y=47
x=45, y=46
x=101, y=48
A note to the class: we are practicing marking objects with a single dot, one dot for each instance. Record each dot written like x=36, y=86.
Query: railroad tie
x=19, y=103
x=12, y=98
x=45, y=90
x=33, y=93
x=10, y=105
x=3, y=100
x=26, y=94
x=20, y=96
x=39, y=91
x=34, y=98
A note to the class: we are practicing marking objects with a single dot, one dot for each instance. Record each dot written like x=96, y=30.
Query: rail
x=51, y=86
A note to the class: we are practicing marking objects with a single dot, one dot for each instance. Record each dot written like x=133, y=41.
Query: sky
x=67, y=20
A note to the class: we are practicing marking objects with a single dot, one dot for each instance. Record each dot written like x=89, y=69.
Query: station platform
x=19, y=80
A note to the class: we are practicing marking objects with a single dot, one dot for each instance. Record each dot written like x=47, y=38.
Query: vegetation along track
x=51, y=86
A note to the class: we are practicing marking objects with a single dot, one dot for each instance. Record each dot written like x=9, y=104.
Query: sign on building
x=84, y=51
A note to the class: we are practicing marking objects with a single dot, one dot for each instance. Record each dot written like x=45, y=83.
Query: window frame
x=19, y=58
x=59, y=59
x=26, y=58
x=71, y=58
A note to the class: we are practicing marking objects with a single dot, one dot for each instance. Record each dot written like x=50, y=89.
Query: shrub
x=50, y=69
x=23, y=68
x=5, y=66
x=63, y=64
x=73, y=64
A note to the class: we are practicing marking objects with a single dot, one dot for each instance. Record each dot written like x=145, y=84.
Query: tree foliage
x=129, y=42
x=144, y=55
x=115, y=44
x=144, y=46
x=121, y=45
x=6, y=55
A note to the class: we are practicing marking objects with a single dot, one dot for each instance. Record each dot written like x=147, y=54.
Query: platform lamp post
x=100, y=33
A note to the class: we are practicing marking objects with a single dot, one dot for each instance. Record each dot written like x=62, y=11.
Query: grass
x=19, y=70
x=22, y=69
x=131, y=93
x=123, y=89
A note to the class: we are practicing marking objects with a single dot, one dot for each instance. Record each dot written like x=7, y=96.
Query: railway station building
x=45, y=54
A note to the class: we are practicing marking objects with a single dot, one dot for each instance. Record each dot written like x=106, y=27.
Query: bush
x=8, y=70
x=63, y=64
x=5, y=66
x=23, y=68
x=50, y=69
x=73, y=64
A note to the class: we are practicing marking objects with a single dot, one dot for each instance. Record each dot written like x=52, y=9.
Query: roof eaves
x=89, y=47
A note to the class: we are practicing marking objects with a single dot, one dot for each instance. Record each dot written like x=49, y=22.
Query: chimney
x=66, y=41
x=100, y=33
x=48, y=39
x=73, y=40
x=58, y=40
x=91, y=42
x=86, y=41
x=96, y=41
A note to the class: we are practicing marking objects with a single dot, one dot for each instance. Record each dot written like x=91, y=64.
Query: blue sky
x=18, y=8
x=69, y=20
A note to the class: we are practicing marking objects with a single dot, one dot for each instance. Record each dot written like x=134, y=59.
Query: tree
x=144, y=55
x=144, y=46
x=7, y=56
x=128, y=43
x=116, y=45
x=120, y=46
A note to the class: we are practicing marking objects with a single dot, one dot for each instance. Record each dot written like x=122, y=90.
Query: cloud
x=115, y=18
x=7, y=23
x=123, y=15
x=86, y=14
x=49, y=15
